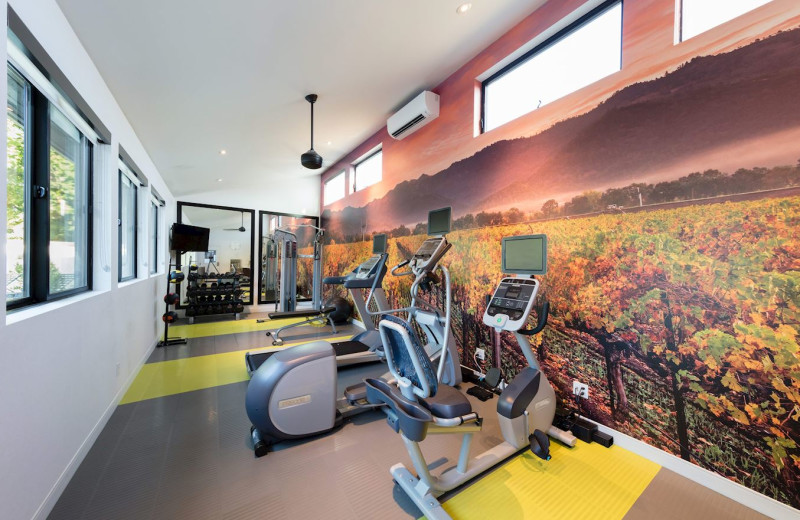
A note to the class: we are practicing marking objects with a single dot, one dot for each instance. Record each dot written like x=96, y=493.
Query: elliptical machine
x=364, y=346
x=293, y=394
x=417, y=408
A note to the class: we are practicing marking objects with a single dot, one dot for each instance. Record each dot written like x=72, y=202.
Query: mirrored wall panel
x=304, y=227
x=223, y=278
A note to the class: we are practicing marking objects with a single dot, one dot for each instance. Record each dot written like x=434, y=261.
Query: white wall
x=65, y=365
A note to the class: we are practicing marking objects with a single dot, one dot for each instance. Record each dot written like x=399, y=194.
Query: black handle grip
x=541, y=323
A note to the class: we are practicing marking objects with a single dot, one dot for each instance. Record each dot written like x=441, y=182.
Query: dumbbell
x=229, y=307
x=191, y=310
x=171, y=298
x=169, y=317
x=238, y=307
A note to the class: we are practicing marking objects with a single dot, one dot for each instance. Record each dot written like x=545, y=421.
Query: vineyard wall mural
x=670, y=193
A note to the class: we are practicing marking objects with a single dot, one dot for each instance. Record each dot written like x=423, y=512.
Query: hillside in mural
x=713, y=112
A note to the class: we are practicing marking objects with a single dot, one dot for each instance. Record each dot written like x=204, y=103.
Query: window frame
x=37, y=174
x=354, y=188
x=121, y=223
x=153, y=223
x=560, y=34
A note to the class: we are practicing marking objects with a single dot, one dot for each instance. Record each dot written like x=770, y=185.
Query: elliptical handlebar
x=399, y=266
x=541, y=322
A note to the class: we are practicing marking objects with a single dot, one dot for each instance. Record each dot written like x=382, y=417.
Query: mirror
x=270, y=270
x=230, y=248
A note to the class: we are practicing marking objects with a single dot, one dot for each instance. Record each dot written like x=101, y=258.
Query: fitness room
x=503, y=259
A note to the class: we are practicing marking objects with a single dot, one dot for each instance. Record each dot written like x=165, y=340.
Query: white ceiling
x=198, y=76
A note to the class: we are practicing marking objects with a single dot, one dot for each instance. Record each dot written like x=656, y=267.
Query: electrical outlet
x=480, y=354
x=580, y=389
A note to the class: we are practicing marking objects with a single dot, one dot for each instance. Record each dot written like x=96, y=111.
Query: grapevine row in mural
x=684, y=321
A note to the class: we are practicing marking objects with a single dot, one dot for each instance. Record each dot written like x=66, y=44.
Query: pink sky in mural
x=648, y=32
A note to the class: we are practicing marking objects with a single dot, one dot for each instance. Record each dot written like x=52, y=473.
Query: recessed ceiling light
x=219, y=180
x=330, y=143
x=223, y=152
x=463, y=8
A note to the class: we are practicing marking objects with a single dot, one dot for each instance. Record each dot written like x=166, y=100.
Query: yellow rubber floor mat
x=193, y=373
x=219, y=328
x=586, y=482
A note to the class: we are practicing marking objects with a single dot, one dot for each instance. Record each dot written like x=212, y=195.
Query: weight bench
x=311, y=315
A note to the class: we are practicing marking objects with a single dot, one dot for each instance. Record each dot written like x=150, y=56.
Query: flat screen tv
x=189, y=238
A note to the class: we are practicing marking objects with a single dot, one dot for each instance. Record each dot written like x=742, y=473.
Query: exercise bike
x=418, y=406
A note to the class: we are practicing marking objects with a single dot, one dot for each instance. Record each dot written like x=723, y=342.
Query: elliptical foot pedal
x=540, y=444
x=481, y=393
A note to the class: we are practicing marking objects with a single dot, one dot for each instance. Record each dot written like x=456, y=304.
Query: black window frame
x=120, y=228
x=574, y=26
x=39, y=170
x=154, y=244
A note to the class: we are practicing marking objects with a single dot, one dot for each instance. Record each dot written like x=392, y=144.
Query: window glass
x=17, y=253
x=69, y=205
x=127, y=227
x=367, y=172
x=583, y=54
x=698, y=16
x=333, y=189
x=153, y=237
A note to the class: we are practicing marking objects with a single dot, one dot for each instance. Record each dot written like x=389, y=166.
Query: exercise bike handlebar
x=541, y=322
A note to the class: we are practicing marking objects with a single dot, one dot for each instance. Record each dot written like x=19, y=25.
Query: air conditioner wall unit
x=420, y=111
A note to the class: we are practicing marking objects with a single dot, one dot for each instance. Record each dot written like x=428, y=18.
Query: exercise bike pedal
x=277, y=343
x=540, y=444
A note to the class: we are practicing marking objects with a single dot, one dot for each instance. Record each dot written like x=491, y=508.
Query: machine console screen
x=366, y=268
x=427, y=248
x=512, y=297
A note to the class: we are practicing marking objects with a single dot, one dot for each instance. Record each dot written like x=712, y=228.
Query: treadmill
x=364, y=347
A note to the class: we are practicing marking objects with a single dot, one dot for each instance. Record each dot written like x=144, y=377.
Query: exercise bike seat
x=447, y=403
x=302, y=313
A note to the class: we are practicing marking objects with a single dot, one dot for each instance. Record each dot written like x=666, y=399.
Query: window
x=18, y=262
x=333, y=189
x=49, y=197
x=367, y=171
x=698, y=16
x=153, y=237
x=580, y=54
x=127, y=223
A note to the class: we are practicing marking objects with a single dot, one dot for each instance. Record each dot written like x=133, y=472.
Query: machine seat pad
x=334, y=280
x=302, y=313
x=447, y=403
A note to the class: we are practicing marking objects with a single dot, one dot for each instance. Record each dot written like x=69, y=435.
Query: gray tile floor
x=189, y=456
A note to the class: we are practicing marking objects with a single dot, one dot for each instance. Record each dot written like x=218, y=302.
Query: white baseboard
x=713, y=481
x=52, y=497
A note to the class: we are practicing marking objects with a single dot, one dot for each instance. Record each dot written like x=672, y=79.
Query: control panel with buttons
x=511, y=303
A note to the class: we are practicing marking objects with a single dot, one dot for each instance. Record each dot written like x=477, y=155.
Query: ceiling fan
x=240, y=228
x=311, y=159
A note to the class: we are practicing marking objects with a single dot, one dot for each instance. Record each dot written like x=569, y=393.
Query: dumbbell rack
x=166, y=341
x=213, y=294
